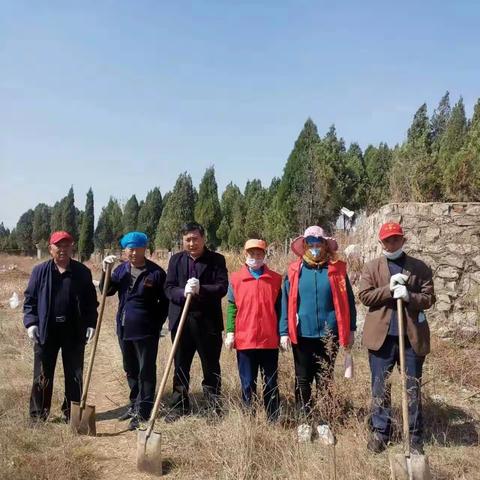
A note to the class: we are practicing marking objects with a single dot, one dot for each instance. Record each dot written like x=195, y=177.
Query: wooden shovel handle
x=401, y=344
x=163, y=383
x=88, y=376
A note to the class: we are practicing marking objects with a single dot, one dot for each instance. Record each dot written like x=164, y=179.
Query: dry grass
x=237, y=446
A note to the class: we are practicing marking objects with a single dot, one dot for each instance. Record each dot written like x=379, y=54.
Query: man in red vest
x=254, y=303
x=318, y=315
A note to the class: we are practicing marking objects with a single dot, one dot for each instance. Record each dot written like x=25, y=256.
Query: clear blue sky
x=125, y=95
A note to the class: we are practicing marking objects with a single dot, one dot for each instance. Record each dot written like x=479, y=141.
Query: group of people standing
x=311, y=312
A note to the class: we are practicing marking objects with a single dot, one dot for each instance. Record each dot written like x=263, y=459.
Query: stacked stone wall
x=446, y=236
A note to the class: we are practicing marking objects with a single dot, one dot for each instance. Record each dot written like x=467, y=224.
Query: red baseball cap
x=390, y=229
x=56, y=237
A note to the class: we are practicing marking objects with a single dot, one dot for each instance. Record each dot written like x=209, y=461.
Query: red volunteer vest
x=256, y=324
x=337, y=272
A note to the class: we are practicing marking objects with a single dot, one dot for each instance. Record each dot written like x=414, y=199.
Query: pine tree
x=149, y=215
x=236, y=236
x=85, y=242
x=41, y=225
x=130, y=214
x=378, y=162
x=109, y=228
x=178, y=209
x=56, y=216
x=462, y=175
x=231, y=195
x=355, y=178
x=69, y=215
x=207, y=210
x=255, y=202
x=24, y=231
x=439, y=121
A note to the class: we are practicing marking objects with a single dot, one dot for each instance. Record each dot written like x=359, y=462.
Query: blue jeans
x=382, y=362
x=249, y=362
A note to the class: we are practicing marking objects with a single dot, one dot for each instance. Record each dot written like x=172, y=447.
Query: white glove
x=400, y=291
x=348, y=364
x=397, y=279
x=90, y=334
x=285, y=343
x=32, y=333
x=229, y=340
x=192, y=286
x=109, y=259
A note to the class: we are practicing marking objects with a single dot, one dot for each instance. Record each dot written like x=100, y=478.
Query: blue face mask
x=315, y=252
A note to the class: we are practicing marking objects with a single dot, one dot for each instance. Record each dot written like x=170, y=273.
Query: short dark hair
x=192, y=227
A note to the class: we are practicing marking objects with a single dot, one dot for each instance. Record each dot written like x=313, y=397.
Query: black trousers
x=314, y=360
x=196, y=338
x=140, y=366
x=45, y=357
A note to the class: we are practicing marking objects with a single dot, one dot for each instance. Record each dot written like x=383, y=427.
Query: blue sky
x=125, y=95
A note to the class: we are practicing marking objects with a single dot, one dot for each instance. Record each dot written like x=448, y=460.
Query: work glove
x=400, y=291
x=229, y=340
x=285, y=343
x=397, y=279
x=348, y=364
x=192, y=286
x=90, y=334
x=32, y=333
x=109, y=259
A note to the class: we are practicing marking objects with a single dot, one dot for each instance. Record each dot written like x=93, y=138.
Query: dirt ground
x=236, y=446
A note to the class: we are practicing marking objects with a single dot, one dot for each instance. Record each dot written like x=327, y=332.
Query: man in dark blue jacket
x=60, y=312
x=202, y=273
x=141, y=313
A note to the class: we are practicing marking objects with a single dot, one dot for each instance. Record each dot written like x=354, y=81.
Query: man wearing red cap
x=385, y=279
x=60, y=312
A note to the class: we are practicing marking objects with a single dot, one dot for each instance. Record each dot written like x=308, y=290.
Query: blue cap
x=134, y=240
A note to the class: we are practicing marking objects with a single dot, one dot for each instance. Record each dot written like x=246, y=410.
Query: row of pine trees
x=438, y=161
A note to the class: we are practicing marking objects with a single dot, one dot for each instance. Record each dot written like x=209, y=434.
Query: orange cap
x=255, y=243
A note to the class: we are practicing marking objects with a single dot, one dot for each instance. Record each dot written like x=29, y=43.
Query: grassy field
x=236, y=447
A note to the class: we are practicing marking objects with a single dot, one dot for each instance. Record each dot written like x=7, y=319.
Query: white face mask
x=255, y=263
x=393, y=255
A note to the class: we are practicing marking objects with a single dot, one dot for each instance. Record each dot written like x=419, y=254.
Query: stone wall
x=447, y=237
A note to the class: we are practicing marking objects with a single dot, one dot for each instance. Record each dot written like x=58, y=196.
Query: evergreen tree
x=236, y=236
x=439, y=121
x=41, y=225
x=207, y=210
x=56, y=216
x=149, y=215
x=130, y=214
x=231, y=195
x=85, y=243
x=462, y=175
x=109, y=228
x=24, y=231
x=378, y=161
x=178, y=209
x=69, y=215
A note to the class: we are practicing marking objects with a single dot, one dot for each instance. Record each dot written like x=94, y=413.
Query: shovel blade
x=149, y=455
x=82, y=420
x=413, y=468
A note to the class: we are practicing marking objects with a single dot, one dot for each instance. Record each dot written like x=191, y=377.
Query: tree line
x=438, y=161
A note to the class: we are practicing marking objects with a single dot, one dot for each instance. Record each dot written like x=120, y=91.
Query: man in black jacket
x=202, y=273
x=60, y=312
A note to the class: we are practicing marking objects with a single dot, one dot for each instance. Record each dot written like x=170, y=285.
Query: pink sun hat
x=314, y=231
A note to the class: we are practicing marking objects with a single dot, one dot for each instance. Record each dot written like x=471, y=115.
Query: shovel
x=406, y=466
x=82, y=416
x=149, y=458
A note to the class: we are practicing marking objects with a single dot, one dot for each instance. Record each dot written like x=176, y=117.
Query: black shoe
x=174, y=415
x=125, y=416
x=134, y=424
x=376, y=444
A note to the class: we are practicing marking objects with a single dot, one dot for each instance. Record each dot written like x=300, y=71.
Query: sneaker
x=304, y=433
x=375, y=443
x=173, y=416
x=325, y=435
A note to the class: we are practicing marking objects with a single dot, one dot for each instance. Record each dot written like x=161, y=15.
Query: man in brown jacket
x=385, y=279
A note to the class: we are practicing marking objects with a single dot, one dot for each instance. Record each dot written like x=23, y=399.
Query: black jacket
x=207, y=306
x=142, y=308
x=37, y=304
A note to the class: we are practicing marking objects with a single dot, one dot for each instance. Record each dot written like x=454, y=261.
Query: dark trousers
x=314, y=360
x=44, y=360
x=196, y=338
x=249, y=362
x=382, y=362
x=140, y=366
